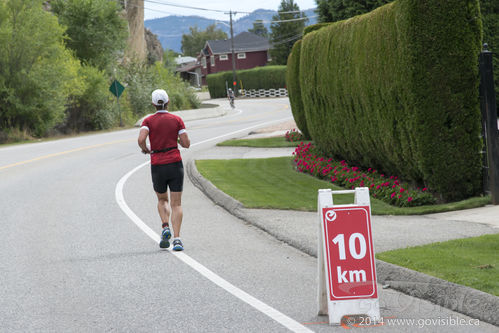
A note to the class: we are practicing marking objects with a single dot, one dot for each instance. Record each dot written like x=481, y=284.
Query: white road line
x=281, y=318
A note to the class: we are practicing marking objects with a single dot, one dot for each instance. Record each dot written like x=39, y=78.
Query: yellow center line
x=64, y=153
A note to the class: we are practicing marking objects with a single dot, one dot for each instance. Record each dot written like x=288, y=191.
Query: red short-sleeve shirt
x=164, y=129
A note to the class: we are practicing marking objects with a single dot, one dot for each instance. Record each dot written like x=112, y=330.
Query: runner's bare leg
x=163, y=207
x=177, y=212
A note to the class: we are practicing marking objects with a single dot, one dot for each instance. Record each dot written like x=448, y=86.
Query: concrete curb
x=459, y=298
x=237, y=209
x=462, y=299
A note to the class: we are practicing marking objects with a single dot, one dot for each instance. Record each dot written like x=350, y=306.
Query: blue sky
x=158, y=8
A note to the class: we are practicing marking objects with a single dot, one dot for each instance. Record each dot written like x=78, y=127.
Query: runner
x=165, y=130
x=230, y=96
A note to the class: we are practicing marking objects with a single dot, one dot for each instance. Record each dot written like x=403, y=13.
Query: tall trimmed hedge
x=294, y=91
x=267, y=77
x=315, y=27
x=397, y=89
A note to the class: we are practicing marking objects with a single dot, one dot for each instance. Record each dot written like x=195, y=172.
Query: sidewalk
x=389, y=232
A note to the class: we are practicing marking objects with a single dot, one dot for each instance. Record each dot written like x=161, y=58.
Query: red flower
x=409, y=199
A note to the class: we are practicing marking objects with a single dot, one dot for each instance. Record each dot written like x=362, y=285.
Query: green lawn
x=265, y=183
x=273, y=183
x=273, y=142
x=473, y=262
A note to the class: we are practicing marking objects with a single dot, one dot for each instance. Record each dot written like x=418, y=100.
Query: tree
x=193, y=42
x=169, y=57
x=287, y=29
x=37, y=73
x=96, y=31
x=259, y=29
x=90, y=106
x=336, y=10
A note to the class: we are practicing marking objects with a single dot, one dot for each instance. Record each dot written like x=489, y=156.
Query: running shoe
x=165, y=236
x=177, y=245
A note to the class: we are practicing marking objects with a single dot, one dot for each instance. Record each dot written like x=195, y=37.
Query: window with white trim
x=212, y=61
x=224, y=57
x=241, y=55
x=203, y=62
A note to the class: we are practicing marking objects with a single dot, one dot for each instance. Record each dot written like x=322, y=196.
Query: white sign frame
x=336, y=310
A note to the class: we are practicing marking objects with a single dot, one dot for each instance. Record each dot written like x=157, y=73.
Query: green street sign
x=116, y=88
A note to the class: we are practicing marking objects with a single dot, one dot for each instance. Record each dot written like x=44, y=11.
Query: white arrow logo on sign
x=330, y=215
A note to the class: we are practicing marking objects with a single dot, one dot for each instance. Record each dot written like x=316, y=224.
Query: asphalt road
x=78, y=249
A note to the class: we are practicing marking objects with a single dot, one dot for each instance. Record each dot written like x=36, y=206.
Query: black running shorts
x=168, y=176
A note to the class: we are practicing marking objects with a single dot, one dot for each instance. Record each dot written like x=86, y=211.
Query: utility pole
x=489, y=122
x=234, y=82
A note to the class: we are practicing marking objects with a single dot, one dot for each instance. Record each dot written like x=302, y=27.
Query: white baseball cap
x=159, y=96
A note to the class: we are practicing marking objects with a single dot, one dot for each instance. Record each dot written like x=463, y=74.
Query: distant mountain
x=171, y=28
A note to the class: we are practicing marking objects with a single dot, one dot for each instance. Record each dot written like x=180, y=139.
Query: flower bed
x=293, y=136
x=383, y=187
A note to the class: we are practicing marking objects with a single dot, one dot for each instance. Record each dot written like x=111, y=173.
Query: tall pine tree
x=194, y=41
x=259, y=29
x=286, y=30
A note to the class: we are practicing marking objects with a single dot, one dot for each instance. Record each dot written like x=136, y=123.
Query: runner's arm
x=144, y=132
x=184, y=140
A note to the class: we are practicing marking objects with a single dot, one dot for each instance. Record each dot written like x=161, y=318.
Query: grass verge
x=472, y=262
x=272, y=142
x=273, y=183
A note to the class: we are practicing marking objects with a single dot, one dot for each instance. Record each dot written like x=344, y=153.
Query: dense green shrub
x=397, y=89
x=267, y=77
x=91, y=104
x=294, y=91
x=141, y=79
x=314, y=27
x=36, y=71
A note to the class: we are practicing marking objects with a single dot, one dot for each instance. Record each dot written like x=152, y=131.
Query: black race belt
x=162, y=150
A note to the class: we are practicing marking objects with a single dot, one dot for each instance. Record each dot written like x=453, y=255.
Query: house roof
x=188, y=68
x=184, y=60
x=243, y=42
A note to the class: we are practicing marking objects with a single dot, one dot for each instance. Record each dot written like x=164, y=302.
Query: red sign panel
x=349, y=253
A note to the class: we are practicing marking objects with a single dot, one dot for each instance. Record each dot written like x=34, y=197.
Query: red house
x=250, y=51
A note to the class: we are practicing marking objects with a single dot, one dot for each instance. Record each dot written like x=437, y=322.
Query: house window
x=203, y=62
x=212, y=61
x=224, y=57
x=241, y=55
